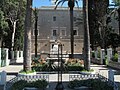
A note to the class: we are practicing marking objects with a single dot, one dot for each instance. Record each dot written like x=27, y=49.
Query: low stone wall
x=113, y=64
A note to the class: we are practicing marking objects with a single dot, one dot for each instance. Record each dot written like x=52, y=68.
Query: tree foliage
x=12, y=10
x=117, y=2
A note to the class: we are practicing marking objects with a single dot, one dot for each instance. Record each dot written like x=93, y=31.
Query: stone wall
x=46, y=25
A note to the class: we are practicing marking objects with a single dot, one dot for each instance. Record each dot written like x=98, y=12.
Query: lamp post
x=59, y=85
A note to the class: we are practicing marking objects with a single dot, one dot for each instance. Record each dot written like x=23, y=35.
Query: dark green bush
x=95, y=84
x=46, y=67
x=74, y=68
x=19, y=85
x=40, y=84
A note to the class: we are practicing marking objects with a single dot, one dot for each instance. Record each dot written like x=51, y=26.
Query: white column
x=102, y=55
x=0, y=57
x=109, y=54
x=118, y=56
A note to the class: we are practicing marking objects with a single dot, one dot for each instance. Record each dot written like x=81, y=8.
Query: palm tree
x=86, y=36
x=71, y=4
x=27, y=37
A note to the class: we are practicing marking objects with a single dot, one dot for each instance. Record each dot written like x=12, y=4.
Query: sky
x=39, y=3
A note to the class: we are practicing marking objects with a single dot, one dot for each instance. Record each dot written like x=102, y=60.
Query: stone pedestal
x=102, y=55
x=109, y=54
x=19, y=58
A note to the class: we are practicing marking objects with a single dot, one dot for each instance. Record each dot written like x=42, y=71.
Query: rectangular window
x=54, y=32
x=75, y=32
x=54, y=18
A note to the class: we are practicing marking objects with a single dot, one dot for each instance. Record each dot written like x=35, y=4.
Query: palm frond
x=58, y=4
x=63, y=1
x=77, y=3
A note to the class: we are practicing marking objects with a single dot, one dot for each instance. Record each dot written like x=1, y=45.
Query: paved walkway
x=13, y=70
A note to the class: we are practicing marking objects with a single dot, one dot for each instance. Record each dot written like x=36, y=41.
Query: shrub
x=19, y=85
x=115, y=57
x=95, y=84
x=41, y=84
x=74, y=68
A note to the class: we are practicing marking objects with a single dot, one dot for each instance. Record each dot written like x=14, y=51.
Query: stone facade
x=55, y=25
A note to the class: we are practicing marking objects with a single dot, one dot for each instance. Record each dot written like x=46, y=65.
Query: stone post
x=118, y=56
x=21, y=54
x=0, y=57
x=102, y=56
x=3, y=78
x=17, y=55
x=19, y=58
x=12, y=55
x=111, y=75
x=109, y=54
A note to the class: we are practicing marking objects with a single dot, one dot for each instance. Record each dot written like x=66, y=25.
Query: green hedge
x=95, y=84
x=20, y=85
x=45, y=67
x=74, y=68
